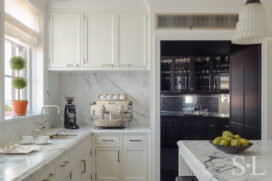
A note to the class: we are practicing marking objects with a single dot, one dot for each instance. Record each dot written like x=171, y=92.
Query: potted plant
x=19, y=106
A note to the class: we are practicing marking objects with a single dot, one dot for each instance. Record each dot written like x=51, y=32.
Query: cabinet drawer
x=134, y=141
x=107, y=140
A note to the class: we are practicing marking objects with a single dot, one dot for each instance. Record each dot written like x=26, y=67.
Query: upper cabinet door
x=100, y=41
x=132, y=40
x=65, y=39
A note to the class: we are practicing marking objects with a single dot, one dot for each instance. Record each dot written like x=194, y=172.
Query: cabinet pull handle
x=84, y=166
x=71, y=176
x=124, y=65
x=108, y=140
x=118, y=156
x=51, y=174
x=135, y=140
x=69, y=65
x=212, y=125
x=107, y=65
x=45, y=179
x=63, y=165
x=66, y=162
x=77, y=65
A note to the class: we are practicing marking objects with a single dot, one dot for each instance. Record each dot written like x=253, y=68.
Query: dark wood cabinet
x=245, y=92
x=175, y=128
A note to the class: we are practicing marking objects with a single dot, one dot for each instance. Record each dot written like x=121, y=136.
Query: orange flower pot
x=19, y=107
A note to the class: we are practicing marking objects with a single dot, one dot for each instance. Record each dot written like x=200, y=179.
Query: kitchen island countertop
x=209, y=164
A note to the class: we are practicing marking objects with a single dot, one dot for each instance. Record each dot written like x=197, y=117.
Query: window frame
x=27, y=72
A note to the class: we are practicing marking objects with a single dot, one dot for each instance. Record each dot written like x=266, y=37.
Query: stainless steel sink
x=62, y=136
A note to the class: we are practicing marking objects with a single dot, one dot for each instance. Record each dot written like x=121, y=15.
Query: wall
x=85, y=87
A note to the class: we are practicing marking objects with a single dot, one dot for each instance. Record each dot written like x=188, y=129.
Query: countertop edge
x=194, y=164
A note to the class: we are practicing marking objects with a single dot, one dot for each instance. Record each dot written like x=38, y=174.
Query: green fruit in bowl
x=244, y=142
x=229, y=139
x=237, y=136
x=224, y=142
x=235, y=142
x=227, y=134
x=217, y=140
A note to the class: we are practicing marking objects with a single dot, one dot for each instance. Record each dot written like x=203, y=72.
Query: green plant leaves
x=17, y=63
x=19, y=83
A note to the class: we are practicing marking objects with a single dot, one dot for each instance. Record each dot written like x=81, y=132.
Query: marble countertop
x=18, y=167
x=209, y=164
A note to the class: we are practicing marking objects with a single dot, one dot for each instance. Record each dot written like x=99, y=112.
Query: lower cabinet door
x=108, y=164
x=75, y=173
x=85, y=167
x=135, y=164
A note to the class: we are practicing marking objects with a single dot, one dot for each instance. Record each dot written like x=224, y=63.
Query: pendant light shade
x=253, y=25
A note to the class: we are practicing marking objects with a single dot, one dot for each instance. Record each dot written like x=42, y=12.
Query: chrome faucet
x=41, y=125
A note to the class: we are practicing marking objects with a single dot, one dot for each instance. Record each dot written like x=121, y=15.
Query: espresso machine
x=70, y=114
x=111, y=111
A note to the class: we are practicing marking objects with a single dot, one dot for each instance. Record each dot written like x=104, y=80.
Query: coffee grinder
x=70, y=114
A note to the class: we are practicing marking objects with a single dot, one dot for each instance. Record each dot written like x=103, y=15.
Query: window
x=14, y=49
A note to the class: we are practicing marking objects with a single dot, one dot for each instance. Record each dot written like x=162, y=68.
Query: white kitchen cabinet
x=132, y=40
x=48, y=173
x=107, y=163
x=81, y=161
x=65, y=40
x=135, y=158
x=63, y=167
x=100, y=40
x=122, y=157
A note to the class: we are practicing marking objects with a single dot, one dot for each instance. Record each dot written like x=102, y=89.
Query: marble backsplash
x=85, y=87
x=13, y=129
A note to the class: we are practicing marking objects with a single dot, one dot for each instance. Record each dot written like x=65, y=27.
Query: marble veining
x=20, y=167
x=210, y=164
x=86, y=87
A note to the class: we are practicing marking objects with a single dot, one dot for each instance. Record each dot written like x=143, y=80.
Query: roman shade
x=21, y=21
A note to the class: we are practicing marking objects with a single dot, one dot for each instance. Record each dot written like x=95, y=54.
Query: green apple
x=217, y=140
x=244, y=142
x=224, y=142
x=237, y=136
x=235, y=142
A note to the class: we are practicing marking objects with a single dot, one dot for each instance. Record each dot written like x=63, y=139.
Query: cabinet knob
x=69, y=65
x=51, y=174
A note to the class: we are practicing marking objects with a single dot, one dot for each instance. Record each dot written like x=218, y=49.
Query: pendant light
x=253, y=25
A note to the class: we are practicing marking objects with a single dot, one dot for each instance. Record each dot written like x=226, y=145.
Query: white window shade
x=21, y=21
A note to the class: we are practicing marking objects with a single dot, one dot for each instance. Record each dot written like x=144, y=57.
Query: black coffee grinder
x=70, y=114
